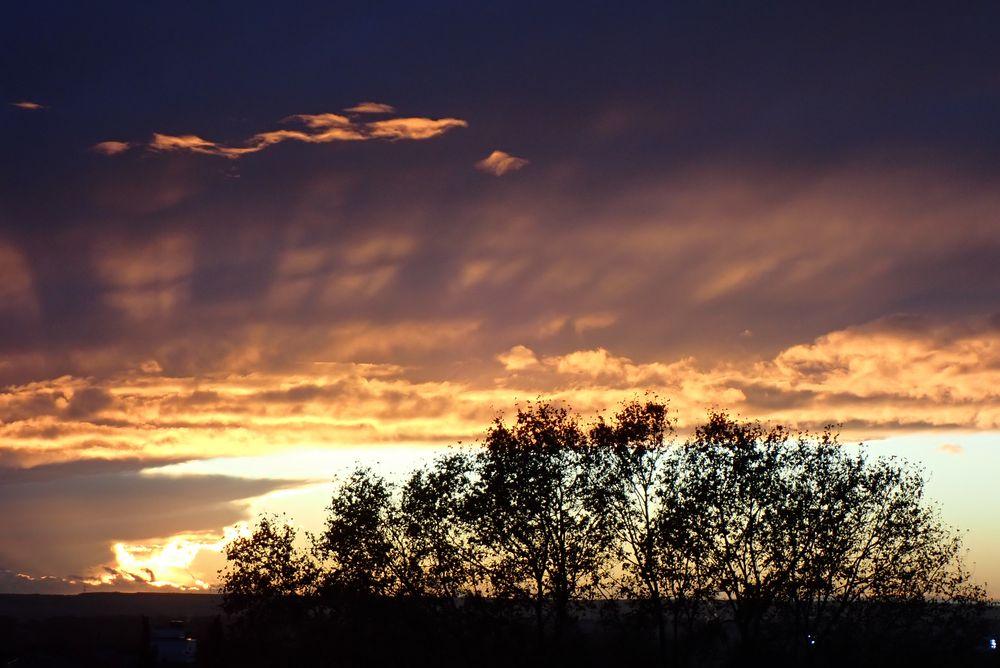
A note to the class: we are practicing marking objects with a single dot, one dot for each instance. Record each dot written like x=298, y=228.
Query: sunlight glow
x=169, y=564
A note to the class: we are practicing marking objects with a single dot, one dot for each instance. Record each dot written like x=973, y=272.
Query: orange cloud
x=413, y=128
x=883, y=377
x=492, y=272
x=110, y=147
x=499, y=163
x=951, y=449
x=29, y=106
x=319, y=129
x=888, y=375
x=195, y=144
x=518, y=358
x=371, y=108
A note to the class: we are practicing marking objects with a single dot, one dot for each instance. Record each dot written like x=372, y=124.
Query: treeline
x=561, y=541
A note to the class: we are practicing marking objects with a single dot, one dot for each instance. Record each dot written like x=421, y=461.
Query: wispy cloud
x=110, y=147
x=312, y=129
x=413, y=128
x=499, y=163
x=195, y=144
x=28, y=105
x=371, y=108
x=591, y=321
x=17, y=290
x=951, y=449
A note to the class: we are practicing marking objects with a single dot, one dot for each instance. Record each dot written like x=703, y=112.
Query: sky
x=244, y=246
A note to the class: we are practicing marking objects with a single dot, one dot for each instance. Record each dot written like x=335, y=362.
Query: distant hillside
x=42, y=606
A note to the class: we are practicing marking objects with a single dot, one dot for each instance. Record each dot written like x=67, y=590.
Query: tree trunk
x=539, y=617
x=661, y=628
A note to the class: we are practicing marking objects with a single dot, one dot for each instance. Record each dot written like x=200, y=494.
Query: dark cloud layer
x=60, y=519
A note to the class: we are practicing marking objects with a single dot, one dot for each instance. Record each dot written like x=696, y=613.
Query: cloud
x=77, y=447
x=909, y=357
x=17, y=284
x=518, y=358
x=29, y=106
x=316, y=129
x=110, y=147
x=412, y=128
x=150, y=366
x=595, y=363
x=499, y=163
x=155, y=261
x=75, y=516
x=371, y=108
x=148, y=279
x=590, y=321
x=521, y=262
x=891, y=374
x=951, y=449
x=323, y=128
x=195, y=144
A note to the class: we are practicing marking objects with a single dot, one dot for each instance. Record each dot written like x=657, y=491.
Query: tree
x=860, y=531
x=796, y=524
x=800, y=539
x=731, y=477
x=386, y=540
x=442, y=563
x=628, y=455
x=530, y=513
x=265, y=571
x=678, y=547
x=358, y=549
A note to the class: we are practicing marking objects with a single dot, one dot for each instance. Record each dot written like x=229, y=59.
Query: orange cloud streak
x=320, y=129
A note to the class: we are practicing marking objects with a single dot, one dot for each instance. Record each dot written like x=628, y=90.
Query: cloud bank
x=110, y=524
x=894, y=373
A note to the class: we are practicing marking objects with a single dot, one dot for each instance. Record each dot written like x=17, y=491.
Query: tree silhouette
x=443, y=562
x=633, y=467
x=267, y=588
x=806, y=546
x=358, y=548
x=265, y=570
x=530, y=512
x=795, y=524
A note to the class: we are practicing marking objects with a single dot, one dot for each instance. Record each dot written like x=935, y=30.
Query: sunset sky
x=243, y=247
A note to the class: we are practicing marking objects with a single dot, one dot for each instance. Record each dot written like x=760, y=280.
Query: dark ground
x=111, y=630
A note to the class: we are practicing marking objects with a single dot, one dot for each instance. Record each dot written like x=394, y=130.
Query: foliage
x=357, y=547
x=530, y=512
x=265, y=570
